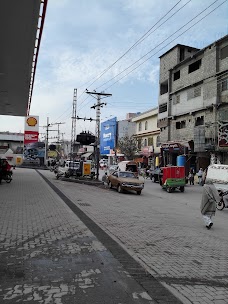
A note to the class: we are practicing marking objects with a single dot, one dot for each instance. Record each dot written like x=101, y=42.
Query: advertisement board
x=86, y=168
x=34, y=151
x=222, y=134
x=31, y=133
x=108, y=136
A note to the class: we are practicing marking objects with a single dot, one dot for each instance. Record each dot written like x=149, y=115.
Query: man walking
x=210, y=197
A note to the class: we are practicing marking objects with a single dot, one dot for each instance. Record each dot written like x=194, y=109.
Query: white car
x=71, y=168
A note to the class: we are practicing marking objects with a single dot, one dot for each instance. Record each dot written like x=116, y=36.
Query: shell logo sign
x=31, y=121
x=31, y=132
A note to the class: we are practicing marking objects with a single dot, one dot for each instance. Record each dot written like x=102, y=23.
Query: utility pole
x=58, y=136
x=73, y=127
x=98, y=107
x=47, y=137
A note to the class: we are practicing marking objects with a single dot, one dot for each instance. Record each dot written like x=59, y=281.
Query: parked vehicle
x=125, y=180
x=8, y=176
x=172, y=177
x=218, y=175
x=112, y=168
x=224, y=200
x=128, y=165
x=155, y=175
x=71, y=168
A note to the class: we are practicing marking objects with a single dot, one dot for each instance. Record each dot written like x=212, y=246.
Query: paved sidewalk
x=165, y=233
x=47, y=255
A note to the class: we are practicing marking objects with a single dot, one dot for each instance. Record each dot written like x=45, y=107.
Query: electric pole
x=58, y=136
x=98, y=107
x=73, y=127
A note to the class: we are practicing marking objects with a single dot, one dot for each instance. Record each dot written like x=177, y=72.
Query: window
x=176, y=99
x=140, y=126
x=146, y=125
x=145, y=142
x=224, y=52
x=163, y=108
x=197, y=91
x=199, y=121
x=176, y=75
x=139, y=143
x=164, y=87
x=224, y=85
x=150, y=141
x=182, y=54
x=180, y=124
x=193, y=93
x=194, y=66
x=158, y=141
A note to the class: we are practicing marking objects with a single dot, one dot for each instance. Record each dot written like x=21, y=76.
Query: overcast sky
x=82, y=39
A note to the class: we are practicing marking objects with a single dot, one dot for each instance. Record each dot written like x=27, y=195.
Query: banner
x=108, y=136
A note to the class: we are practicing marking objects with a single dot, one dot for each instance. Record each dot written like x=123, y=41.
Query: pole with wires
x=98, y=107
x=73, y=127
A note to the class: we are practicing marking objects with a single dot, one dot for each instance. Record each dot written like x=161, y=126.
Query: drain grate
x=84, y=204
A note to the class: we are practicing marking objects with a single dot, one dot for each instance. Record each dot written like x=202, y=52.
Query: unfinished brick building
x=193, y=100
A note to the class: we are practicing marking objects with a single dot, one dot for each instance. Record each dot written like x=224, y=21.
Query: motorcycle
x=223, y=201
x=7, y=176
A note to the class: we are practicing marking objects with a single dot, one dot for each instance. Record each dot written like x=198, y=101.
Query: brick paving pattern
x=189, y=260
x=47, y=255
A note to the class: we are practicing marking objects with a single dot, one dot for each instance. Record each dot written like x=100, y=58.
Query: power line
x=162, y=43
x=156, y=47
x=142, y=38
x=147, y=34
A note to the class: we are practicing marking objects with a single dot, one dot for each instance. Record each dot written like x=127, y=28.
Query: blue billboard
x=108, y=136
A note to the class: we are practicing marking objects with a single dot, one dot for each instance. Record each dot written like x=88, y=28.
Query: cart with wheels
x=172, y=177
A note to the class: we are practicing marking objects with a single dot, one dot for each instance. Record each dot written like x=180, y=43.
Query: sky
x=82, y=45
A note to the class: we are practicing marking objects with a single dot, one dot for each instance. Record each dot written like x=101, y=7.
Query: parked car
x=71, y=168
x=154, y=175
x=125, y=180
x=128, y=165
x=112, y=168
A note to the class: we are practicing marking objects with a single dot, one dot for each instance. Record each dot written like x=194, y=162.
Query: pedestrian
x=191, y=177
x=105, y=179
x=210, y=197
x=200, y=176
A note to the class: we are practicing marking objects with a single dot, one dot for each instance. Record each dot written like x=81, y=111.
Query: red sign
x=30, y=137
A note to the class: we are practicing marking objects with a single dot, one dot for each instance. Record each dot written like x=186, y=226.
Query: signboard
x=86, y=168
x=222, y=134
x=34, y=151
x=31, y=133
x=108, y=136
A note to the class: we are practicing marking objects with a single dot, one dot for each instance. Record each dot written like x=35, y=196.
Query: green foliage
x=128, y=146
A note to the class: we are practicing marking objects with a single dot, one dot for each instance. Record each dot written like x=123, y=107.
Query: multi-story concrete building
x=147, y=134
x=193, y=100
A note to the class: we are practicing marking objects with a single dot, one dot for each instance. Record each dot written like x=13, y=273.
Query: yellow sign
x=86, y=168
x=18, y=160
x=31, y=121
x=52, y=154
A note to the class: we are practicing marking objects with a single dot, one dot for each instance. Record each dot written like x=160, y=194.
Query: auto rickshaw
x=172, y=177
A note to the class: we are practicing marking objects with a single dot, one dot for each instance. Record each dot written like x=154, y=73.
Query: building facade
x=147, y=135
x=13, y=141
x=193, y=100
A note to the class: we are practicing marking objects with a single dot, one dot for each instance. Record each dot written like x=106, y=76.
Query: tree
x=128, y=146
